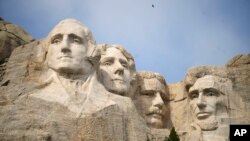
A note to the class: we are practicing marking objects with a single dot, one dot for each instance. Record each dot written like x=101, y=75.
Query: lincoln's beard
x=210, y=123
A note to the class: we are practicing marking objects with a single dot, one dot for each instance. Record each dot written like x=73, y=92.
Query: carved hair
x=88, y=33
x=149, y=75
x=42, y=53
x=102, y=48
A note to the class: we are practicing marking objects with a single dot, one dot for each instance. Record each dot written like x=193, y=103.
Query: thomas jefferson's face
x=68, y=49
x=150, y=102
x=114, y=72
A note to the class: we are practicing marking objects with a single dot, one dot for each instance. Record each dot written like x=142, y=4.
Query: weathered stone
x=159, y=134
x=239, y=60
x=11, y=36
x=151, y=99
x=178, y=106
x=236, y=72
x=239, y=75
x=116, y=70
x=47, y=96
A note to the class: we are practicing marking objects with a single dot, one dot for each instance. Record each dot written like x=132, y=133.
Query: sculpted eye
x=124, y=64
x=148, y=93
x=211, y=94
x=193, y=95
x=77, y=40
x=56, y=41
x=107, y=63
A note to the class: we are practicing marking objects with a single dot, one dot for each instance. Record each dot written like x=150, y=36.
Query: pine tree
x=148, y=138
x=173, y=136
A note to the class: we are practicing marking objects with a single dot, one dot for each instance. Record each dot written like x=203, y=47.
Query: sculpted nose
x=201, y=103
x=158, y=102
x=65, y=46
x=119, y=69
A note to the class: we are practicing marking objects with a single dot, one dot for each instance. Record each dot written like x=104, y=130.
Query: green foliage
x=173, y=136
x=148, y=139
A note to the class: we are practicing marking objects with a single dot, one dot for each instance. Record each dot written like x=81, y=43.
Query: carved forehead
x=119, y=48
x=151, y=81
x=207, y=81
x=148, y=75
x=104, y=47
x=113, y=52
x=69, y=26
x=152, y=84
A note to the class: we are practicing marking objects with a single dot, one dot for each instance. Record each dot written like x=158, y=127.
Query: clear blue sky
x=168, y=38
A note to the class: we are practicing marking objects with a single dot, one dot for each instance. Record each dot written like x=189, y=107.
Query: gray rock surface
x=48, y=111
x=237, y=70
x=24, y=117
x=11, y=36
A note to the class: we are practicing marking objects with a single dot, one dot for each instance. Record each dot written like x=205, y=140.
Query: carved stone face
x=114, y=72
x=150, y=102
x=204, y=97
x=68, y=47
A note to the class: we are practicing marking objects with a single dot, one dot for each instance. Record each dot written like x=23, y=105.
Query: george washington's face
x=68, y=48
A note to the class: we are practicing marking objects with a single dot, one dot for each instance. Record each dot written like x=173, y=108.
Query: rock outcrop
x=38, y=103
x=11, y=36
x=237, y=71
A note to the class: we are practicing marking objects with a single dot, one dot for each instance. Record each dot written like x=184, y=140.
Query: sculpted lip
x=155, y=114
x=117, y=79
x=202, y=114
x=64, y=57
x=158, y=116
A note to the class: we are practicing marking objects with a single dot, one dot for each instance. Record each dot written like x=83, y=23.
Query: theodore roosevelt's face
x=151, y=102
